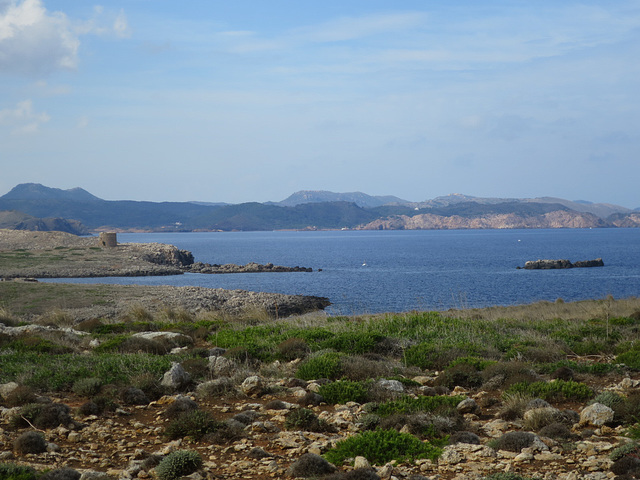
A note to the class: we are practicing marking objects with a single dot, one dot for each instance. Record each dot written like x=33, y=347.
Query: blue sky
x=253, y=100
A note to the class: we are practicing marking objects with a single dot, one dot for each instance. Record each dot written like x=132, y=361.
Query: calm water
x=370, y=272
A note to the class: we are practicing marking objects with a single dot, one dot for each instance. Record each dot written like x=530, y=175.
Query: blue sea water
x=396, y=271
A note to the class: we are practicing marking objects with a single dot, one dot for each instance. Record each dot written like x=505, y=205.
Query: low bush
x=65, y=473
x=556, y=390
x=30, y=442
x=462, y=375
x=134, y=396
x=382, y=446
x=428, y=356
x=424, y=425
x=632, y=448
x=504, y=374
x=178, y=464
x=508, y=476
x=359, y=368
x=87, y=387
x=408, y=404
x=352, y=342
x=326, y=365
x=310, y=465
x=513, y=441
x=556, y=431
x=22, y=395
x=149, y=384
x=292, y=349
x=11, y=471
x=192, y=423
x=305, y=420
x=42, y=415
x=514, y=405
x=344, y=391
x=578, y=367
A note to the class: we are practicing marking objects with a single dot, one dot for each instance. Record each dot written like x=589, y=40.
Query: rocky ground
x=120, y=443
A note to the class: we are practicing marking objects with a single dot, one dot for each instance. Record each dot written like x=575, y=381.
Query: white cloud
x=22, y=119
x=350, y=28
x=121, y=26
x=36, y=42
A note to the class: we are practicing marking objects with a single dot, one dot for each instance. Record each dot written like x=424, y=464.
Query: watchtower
x=108, y=239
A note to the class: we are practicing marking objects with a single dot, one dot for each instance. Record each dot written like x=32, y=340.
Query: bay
x=397, y=271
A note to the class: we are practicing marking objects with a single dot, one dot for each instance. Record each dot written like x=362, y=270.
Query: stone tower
x=108, y=239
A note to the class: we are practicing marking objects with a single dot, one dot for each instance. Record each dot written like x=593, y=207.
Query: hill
x=315, y=210
x=14, y=220
x=321, y=196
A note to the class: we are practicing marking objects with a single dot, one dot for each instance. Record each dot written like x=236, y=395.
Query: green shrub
x=11, y=471
x=178, y=464
x=192, y=423
x=578, y=367
x=428, y=355
x=617, y=453
x=382, y=446
x=352, y=342
x=476, y=362
x=344, y=391
x=326, y=365
x=556, y=390
x=631, y=359
x=412, y=405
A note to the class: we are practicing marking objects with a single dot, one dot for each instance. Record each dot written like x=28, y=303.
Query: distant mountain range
x=33, y=206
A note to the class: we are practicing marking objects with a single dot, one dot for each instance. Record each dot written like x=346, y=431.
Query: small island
x=560, y=264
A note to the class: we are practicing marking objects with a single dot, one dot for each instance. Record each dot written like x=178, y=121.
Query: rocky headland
x=62, y=255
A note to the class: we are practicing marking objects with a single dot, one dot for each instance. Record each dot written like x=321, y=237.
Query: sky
x=253, y=100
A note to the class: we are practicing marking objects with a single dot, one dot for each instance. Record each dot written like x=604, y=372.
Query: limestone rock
x=468, y=405
x=252, y=385
x=176, y=377
x=173, y=339
x=7, y=388
x=391, y=385
x=221, y=366
x=596, y=414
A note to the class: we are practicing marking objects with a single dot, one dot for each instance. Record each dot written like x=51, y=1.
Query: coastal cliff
x=429, y=221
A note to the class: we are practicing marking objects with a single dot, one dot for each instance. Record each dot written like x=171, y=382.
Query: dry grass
x=582, y=310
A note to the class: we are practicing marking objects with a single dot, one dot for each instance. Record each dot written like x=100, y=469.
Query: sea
x=397, y=271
